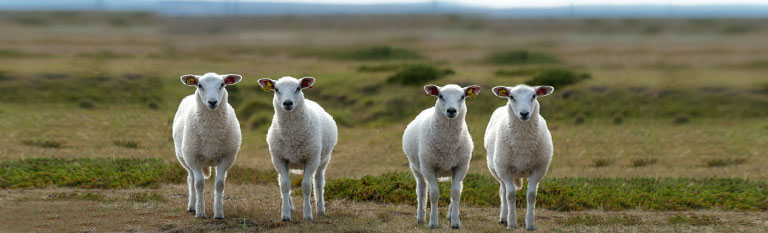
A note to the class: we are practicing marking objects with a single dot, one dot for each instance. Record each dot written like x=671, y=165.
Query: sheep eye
x=534, y=97
x=200, y=86
x=440, y=96
x=277, y=91
x=222, y=85
x=298, y=89
x=462, y=97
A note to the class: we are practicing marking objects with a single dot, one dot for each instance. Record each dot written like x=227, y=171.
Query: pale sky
x=531, y=3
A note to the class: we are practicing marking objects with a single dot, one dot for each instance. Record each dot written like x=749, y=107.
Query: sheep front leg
x=504, y=209
x=434, y=195
x=192, y=194
x=456, y=185
x=306, y=187
x=218, y=198
x=199, y=186
x=284, y=180
x=533, y=185
x=510, y=194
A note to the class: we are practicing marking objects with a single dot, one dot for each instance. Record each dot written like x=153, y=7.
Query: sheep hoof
x=200, y=216
x=220, y=217
x=191, y=210
x=308, y=219
x=419, y=222
x=503, y=222
x=511, y=226
x=531, y=228
x=286, y=219
x=432, y=225
x=455, y=226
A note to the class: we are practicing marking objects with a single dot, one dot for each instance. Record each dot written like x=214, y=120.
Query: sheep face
x=450, y=98
x=288, y=94
x=210, y=87
x=522, y=98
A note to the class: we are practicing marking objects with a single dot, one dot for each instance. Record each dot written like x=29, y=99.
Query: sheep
x=518, y=144
x=301, y=137
x=437, y=144
x=206, y=133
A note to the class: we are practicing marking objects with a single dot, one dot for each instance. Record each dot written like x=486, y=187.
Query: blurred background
x=643, y=89
x=660, y=88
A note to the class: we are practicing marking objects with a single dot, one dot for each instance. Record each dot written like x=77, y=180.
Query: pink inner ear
x=264, y=83
x=541, y=91
x=305, y=83
x=229, y=80
x=505, y=93
x=433, y=91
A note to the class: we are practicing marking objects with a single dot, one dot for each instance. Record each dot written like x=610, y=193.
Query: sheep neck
x=294, y=119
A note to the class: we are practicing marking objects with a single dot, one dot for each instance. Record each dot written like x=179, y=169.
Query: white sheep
x=518, y=145
x=206, y=133
x=437, y=144
x=301, y=137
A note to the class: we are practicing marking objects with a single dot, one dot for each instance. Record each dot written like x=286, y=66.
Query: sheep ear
x=267, y=84
x=471, y=91
x=307, y=82
x=232, y=79
x=501, y=92
x=432, y=90
x=544, y=90
x=189, y=80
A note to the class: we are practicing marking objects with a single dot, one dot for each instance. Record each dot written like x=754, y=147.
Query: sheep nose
x=524, y=114
x=212, y=102
x=288, y=103
x=451, y=111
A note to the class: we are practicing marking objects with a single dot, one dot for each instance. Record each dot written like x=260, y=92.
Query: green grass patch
x=717, y=162
x=694, y=219
x=516, y=72
x=44, y=143
x=558, y=77
x=379, y=53
x=571, y=194
x=76, y=196
x=378, y=68
x=520, y=57
x=418, y=74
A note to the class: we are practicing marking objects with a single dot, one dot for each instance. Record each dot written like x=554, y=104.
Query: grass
x=44, y=143
x=146, y=197
x=558, y=77
x=418, y=74
x=602, y=162
x=722, y=162
x=520, y=57
x=644, y=162
x=572, y=194
x=596, y=220
x=126, y=143
x=379, y=53
x=694, y=219
x=378, y=68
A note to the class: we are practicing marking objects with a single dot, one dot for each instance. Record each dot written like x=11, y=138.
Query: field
x=675, y=109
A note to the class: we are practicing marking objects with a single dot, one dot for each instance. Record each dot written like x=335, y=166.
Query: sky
x=531, y=3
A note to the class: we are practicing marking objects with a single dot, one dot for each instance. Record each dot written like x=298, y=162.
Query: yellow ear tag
x=471, y=94
x=503, y=92
x=267, y=88
x=191, y=81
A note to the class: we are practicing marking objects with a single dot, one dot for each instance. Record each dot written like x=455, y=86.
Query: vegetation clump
x=643, y=162
x=558, y=77
x=379, y=53
x=417, y=74
x=44, y=143
x=520, y=57
x=724, y=162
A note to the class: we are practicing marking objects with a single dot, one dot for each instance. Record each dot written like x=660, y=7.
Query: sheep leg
x=319, y=188
x=221, y=177
x=306, y=187
x=192, y=193
x=284, y=180
x=503, y=197
x=456, y=185
x=197, y=172
x=533, y=185
x=421, y=194
x=434, y=195
x=510, y=194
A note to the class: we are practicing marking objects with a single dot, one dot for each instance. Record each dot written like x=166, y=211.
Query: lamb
x=301, y=137
x=518, y=144
x=206, y=133
x=437, y=144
